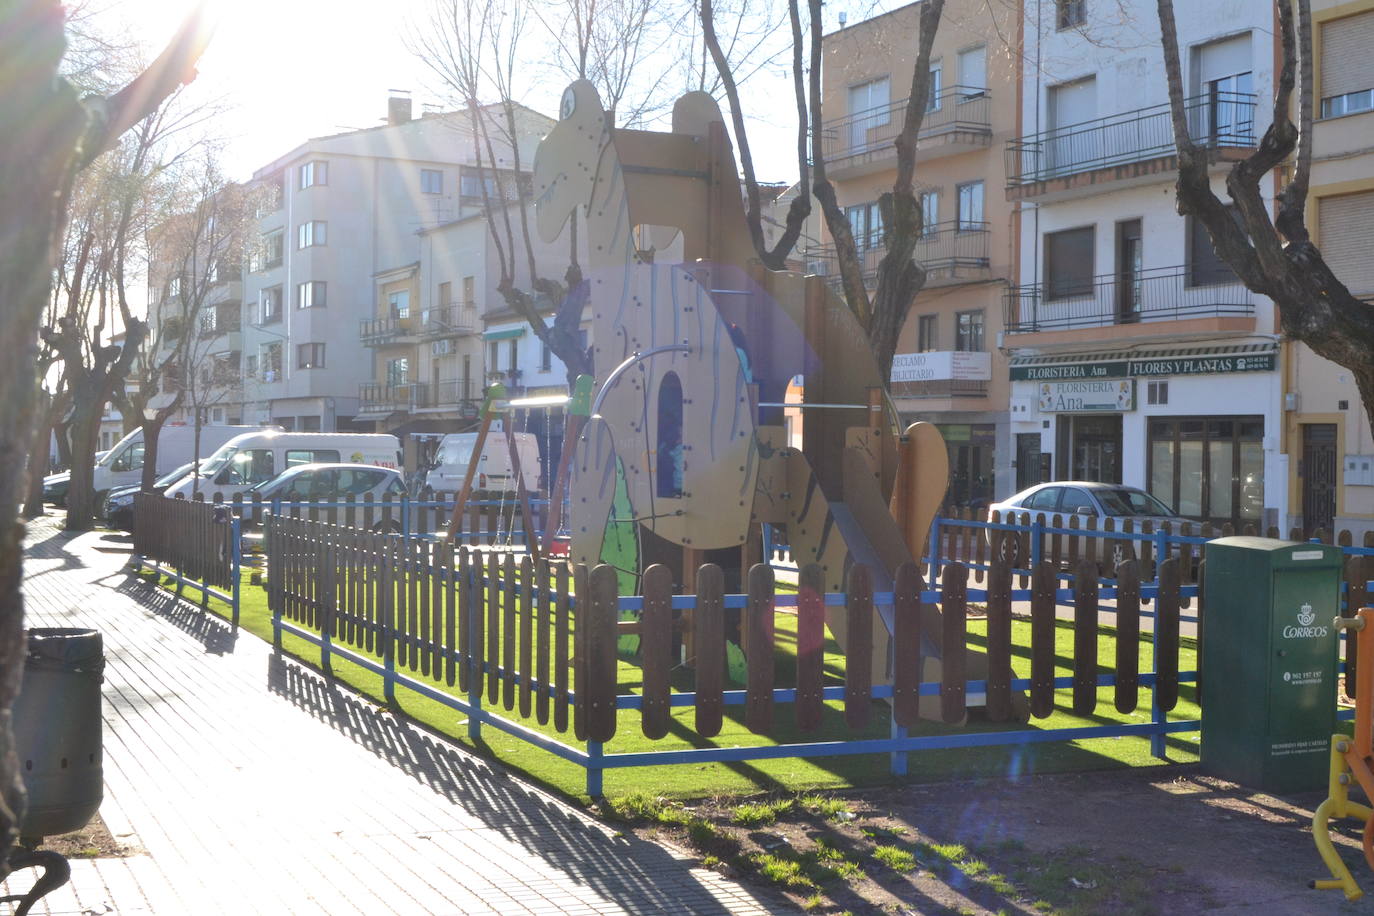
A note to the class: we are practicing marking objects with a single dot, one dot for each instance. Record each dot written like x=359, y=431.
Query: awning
x=1200, y=359
x=506, y=334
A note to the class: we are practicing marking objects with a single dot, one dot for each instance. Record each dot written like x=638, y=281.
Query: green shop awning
x=507, y=334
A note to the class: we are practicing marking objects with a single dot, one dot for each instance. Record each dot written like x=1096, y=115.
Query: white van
x=122, y=465
x=251, y=459
x=494, y=471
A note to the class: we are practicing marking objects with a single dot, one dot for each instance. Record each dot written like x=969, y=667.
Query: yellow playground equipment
x=1351, y=757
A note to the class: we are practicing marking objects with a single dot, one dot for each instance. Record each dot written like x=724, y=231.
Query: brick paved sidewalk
x=254, y=786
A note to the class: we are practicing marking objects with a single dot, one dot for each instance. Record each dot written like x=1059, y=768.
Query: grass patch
x=760, y=813
x=808, y=776
x=781, y=870
x=895, y=857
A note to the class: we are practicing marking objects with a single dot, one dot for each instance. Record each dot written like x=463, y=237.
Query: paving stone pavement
x=252, y=785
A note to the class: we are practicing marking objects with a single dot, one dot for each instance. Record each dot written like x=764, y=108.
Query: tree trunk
x=152, y=429
x=38, y=462
x=62, y=430
x=81, y=496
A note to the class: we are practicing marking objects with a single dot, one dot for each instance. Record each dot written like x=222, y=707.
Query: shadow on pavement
x=206, y=628
x=640, y=876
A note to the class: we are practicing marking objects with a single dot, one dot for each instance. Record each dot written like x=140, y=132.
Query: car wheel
x=1119, y=552
x=391, y=527
x=1009, y=552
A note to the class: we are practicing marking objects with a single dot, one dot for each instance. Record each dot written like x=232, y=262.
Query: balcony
x=1132, y=147
x=951, y=252
x=449, y=394
x=379, y=332
x=863, y=142
x=379, y=398
x=1134, y=302
x=452, y=320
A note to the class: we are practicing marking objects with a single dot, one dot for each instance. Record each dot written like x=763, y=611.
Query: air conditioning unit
x=441, y=347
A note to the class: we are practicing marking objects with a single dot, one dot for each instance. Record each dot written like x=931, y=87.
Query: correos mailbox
x=1268, y=665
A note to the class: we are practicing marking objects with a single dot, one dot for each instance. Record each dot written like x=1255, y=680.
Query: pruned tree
x=48, y=133
x=899, y=276
x=1275, y=257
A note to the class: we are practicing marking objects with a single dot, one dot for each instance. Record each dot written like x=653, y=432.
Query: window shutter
x=973, y=69
x=1347, y=64
x=1346, y=232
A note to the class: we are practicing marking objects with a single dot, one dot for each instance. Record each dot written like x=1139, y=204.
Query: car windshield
x=210, y=466
x=455, y=451
x=1124, y=501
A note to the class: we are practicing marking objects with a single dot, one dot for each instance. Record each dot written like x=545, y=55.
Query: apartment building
x=444, y=333
x=948, y=369
x=1136, y=355
x=333, y=292
x=1327, y=436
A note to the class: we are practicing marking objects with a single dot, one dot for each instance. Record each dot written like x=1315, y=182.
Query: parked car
x=257, y=458
x=55, y=485
x=118, y=509
x=332, y=481
x=1086, y=500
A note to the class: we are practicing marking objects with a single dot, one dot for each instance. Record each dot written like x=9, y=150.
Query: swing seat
x=558, y=547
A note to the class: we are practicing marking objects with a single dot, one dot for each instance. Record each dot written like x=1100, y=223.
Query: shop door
x=1027, y=460
x=1092, y=445
x=1318, y=477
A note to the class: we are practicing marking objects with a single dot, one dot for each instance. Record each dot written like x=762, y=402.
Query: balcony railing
x=451, y=320
x=378, y=396
x=960, y=108
x=949, y=247
x=941, y=388
x=1158, y=294
x=1215, y=120
x=378, y=331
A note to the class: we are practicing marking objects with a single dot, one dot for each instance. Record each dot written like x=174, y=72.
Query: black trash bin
x=58, y=730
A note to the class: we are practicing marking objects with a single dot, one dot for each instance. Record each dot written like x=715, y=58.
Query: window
x=866, y=222
x=668, y=456
x=431, y=181
x=1070, y=13
x=249, y=467
x=269, y=254
x=1069, y=263
x=270, y=361
x=471, y=184
x=445, y=294
x=174, y=288
x=469, y=285
x=1157, y=392
x=1230, y=106
x=514, y=354
x=271, y=304
x=297, y=456
x=310, y=234
x=869, y=107
x=207, y=322
x=968, y=332
x=926, y=336
x=398, y=371
x=398, y=303
x=1075, y=499
x=493, y=357
x=1345, y=224
x=1347, y=70
x=1205, y=266
x=937, y=86
x=311, y=424
x=310, y=294
x=930, y=213
x=545, y=356
x=1208, y=468
x=131, y=459
x=310, y=356
x=1046, y=500
x=971, y=207
x=313, y=173
x=973, y=72
x=250, y=366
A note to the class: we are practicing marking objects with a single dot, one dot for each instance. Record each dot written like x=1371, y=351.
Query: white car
x=332, y=482
x=1086, y=500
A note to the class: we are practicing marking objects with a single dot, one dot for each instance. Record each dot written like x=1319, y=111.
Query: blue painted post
x=1037, y=536
x=594, y=770
x=897, y=759
x=1161, y=551
x=935, y=550
x=405, y=516
x=475, y=593
x=235, y=567
x=1156, y=714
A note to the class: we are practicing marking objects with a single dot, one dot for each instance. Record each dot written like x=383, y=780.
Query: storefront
x=1196, y=426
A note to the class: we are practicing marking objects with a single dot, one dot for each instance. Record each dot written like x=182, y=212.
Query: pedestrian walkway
x=252, y=785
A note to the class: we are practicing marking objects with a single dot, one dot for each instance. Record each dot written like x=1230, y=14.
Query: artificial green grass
x=789, y=774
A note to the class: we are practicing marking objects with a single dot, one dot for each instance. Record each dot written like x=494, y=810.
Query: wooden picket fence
x=196, y=539
x=460, y=617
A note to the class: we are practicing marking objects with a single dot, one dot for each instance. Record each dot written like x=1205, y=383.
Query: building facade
x=1326, y=430
x=1136, y=355
x=332, y=287
x=948, y=369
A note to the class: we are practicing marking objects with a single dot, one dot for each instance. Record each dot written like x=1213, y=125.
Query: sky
x=294, y=69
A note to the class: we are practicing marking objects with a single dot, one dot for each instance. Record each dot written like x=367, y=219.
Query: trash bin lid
x=65, y=647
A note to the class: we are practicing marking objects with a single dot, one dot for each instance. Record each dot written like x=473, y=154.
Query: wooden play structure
x=692, y=442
